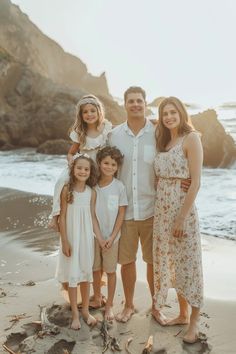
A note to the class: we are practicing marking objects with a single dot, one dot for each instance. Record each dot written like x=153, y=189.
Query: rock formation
x=28, y=45
x=219, y=147
x=35, y=109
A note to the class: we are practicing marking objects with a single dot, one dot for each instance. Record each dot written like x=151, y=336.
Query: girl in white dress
x=78, y=224
x=88, y=133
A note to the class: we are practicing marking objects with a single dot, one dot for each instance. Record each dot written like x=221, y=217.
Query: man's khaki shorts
x=105, y=259
x=131, y=232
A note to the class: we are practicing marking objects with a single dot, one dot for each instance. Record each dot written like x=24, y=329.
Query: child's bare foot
x=54, y=224
x=89, y=319
x=192, y=334
x=180, y=320
x=109, y=315
x=75, y=324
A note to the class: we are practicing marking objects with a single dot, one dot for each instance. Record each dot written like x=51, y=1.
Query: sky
x=183, y=48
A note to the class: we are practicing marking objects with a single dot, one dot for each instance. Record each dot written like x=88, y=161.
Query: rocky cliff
x=40, y=84
x=28, y=45
x=34, y=109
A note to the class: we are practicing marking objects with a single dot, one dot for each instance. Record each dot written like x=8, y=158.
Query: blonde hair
x=79, y=126
x=162, y=133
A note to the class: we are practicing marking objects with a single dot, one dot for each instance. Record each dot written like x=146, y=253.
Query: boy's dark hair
x=111, y=151
x=135, y=89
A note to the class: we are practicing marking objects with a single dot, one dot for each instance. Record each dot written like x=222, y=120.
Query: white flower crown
x=78, y=154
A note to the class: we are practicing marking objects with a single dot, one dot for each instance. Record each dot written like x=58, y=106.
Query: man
x=136, y=139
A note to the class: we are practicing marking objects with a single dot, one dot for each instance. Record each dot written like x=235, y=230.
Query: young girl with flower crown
x=78, y=225
x=89, y=134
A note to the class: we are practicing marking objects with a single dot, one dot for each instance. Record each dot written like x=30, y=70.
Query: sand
x=27, y=256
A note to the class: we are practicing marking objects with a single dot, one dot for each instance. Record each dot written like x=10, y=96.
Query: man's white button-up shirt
x=137, y=172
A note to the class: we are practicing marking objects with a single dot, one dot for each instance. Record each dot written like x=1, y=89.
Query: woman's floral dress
x=177, y=261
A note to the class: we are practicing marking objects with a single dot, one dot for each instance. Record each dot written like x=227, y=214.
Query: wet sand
x=27, y=256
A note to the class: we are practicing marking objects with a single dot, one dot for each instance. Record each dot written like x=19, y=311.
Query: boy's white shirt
x=108, y=201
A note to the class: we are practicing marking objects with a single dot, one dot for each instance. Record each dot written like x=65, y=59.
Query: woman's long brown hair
x=162, y=133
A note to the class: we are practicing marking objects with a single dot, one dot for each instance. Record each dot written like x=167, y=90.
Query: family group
x=135, y=182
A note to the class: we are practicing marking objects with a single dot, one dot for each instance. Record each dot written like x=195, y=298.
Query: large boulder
x=54, y=147
x=34, y=109
x=219, y=147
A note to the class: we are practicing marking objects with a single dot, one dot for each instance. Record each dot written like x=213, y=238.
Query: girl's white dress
x=91, y=147
x=78, y=267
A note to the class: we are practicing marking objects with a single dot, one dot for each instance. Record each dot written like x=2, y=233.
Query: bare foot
x=125, y=315
x=75, y=324
x=192, y=335
x=159, y=317
x=97, y=303
x=89, y=319
x=53, y=223
x=109, y=315
x=180, y=320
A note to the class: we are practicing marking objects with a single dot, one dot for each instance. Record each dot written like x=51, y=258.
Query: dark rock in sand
x=61, y=347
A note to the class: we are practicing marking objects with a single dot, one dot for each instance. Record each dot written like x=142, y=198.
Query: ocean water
x=26, y=170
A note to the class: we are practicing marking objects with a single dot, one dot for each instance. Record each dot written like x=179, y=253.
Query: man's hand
x=185, y=184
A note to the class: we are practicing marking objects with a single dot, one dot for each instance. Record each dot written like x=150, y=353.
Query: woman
x=176, y=237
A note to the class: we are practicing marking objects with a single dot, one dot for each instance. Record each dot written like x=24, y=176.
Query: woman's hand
x=66, y=249
x=178, y=228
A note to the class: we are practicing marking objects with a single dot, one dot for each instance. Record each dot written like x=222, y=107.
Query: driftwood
x=15, y=319
x=115, y=345
x=175, y=335
x=47, y=327
x=105, y=335
x=8, y=349
x=127, y=345
x=148, y=347
x=108, y=341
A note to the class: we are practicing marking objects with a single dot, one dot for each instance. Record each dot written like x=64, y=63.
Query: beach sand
x=28, y=287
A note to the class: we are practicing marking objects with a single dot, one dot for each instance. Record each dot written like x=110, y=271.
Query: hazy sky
x=184, y=48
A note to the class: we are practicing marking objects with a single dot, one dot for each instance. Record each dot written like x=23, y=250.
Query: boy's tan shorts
x=131, y=232
x=105, y=259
